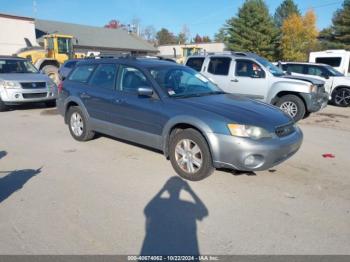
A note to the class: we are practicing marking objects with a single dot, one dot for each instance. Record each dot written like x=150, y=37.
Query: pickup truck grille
x=286, y=130
x=33, y=85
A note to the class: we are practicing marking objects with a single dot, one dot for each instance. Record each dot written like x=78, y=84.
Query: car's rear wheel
x=78, y=125
x=190, y=155
x=293, y=106
x=341, y=97
x=3, y=107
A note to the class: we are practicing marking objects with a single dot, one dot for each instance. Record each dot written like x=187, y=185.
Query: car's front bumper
x=18, y=96
x=315, y=101
x=232, y=152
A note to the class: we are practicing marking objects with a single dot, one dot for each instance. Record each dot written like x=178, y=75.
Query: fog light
x=253, y=161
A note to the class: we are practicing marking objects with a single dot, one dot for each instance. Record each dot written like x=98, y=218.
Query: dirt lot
x=58, y=196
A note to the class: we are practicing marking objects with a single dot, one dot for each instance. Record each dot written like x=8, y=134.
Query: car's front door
x=139, y=118
x=249, y=79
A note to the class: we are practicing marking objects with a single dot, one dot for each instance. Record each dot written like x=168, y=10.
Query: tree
x=341, y=25
x=221, y=35
x=299, y=36
x=286, y=8
x=198, y=39
x=149, y=33
x=206, y=39
x=113, y=24
x=164, y=37
x=252, y=30
x=181, y=38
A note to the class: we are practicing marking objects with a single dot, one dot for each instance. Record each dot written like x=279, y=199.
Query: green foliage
x=164, y=37
x=221, y=35
x=286, y=8
x=341, y=25
x=252, y=30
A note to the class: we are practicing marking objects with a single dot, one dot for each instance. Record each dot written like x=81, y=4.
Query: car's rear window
x=82, y=73
x=332, y=61
x=195, y=63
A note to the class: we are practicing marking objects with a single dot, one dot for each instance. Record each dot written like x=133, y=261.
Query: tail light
x=60, y=87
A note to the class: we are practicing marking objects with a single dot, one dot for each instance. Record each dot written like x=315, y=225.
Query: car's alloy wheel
x=342, y=97
x=290, y=108
x=188, y=156
x=77, y=124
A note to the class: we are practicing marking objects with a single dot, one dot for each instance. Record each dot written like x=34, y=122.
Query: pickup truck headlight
x=253, y=132
x=313, y=89
x=9, y=84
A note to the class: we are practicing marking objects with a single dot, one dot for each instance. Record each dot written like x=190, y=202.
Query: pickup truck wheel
x=293, y=106
x=3, y=107
x=190, y=155
x=78, y=125
x=341, y=97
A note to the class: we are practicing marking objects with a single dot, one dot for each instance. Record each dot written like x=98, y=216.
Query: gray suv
x=21, y=82
x=174, y=109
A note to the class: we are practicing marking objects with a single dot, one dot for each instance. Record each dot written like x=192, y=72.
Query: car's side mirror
x=326, y=76
x=145, y=91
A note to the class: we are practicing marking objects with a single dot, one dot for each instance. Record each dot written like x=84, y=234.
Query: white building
x=14, y=29
x=182, y=51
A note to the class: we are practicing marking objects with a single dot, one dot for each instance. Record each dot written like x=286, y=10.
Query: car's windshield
x=276, y=71
x=8, y=66
x=333, y=72
x=183, y=82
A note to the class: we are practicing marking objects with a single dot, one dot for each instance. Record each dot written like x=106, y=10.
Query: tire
x=293, y=106
x=180, y=149
x=3, y=107
x=50, y=103
x=52, y=72
x=341, y=97
x=79, y=133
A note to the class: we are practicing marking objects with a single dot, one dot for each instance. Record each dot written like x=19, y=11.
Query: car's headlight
x=9, y=84
x=253, y=132
x=313, y=89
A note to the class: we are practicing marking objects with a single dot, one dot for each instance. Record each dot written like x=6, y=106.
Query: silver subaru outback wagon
x=21, y=82
x=178, y=111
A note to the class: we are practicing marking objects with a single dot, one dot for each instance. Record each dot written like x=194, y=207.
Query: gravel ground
x=59, y=196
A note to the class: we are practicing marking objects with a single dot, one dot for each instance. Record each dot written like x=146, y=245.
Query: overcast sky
x=201, y=16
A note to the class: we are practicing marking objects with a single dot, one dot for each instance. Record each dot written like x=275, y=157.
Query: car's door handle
x=85, y=95
x=119, y=101
x=234, y=80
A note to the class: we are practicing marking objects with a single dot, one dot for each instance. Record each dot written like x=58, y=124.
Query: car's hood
x=238, y=109
x=311, y=80
x=25, y=77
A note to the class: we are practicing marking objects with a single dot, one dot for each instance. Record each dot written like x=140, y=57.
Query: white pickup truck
x=336, y=84
x=252, y=76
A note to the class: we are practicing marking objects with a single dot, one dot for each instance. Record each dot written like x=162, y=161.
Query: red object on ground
x=328, y=155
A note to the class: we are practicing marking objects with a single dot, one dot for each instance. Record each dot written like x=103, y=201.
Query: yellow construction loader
x=57, y=49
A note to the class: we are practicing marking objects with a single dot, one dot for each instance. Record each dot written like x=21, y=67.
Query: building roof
x=92, y=36
x=17, y=17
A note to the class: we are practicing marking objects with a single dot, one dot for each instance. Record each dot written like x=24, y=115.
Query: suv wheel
x=292, y=105
x=78, y=125
x=190, y=155
x=341, y=97
x=3, y=107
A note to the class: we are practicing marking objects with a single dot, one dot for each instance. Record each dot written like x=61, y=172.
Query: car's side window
x=195, y=63
x=219, y=65
x=248, y=68
x=293, y=68
x=315, y=70
x=104, y=76
x=130, y=79
x=82, y=73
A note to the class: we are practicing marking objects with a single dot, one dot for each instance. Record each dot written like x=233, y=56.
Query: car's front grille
x=34, y=95
x=33, y=85
x=286, y=130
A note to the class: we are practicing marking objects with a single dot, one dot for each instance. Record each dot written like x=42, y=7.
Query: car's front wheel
x=293, y=106
x=341, y=97
x=78, y=125
x=190, y=155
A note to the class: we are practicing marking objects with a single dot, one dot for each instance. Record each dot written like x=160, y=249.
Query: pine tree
x=252, y=30
x=341, y=25
x=286, y=8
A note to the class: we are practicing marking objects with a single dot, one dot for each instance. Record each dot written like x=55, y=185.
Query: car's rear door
x=217, y=69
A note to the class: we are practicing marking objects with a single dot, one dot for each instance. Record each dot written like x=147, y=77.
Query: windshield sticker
x=202, y=78
x=171, y=92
